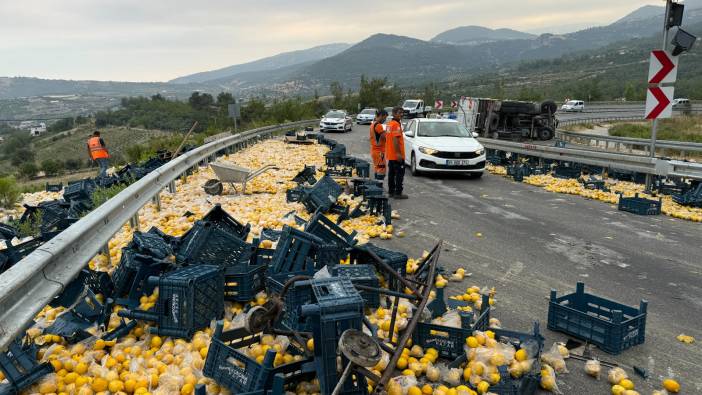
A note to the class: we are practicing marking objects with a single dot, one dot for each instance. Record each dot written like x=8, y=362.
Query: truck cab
x=414, y=108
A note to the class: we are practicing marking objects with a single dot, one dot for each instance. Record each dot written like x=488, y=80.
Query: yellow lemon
x=671, y=385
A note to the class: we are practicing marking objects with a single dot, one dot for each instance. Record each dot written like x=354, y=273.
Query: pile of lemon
x=574, y=187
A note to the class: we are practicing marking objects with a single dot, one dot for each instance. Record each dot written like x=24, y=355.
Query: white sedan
x=336, y=120
x=442, y=145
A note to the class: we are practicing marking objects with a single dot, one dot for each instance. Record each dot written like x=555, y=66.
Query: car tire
x=546, y=134
x=413, y=166
x=475, y=175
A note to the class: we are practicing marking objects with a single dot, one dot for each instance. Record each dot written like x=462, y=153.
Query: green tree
x=74, y=164
x=224, y=98
x=430, y=94
x=28, y=170
x=200, y=101
x=9, y=193
x=337, y=91
x=22, y=155
x=52, y=167
x=62, y=125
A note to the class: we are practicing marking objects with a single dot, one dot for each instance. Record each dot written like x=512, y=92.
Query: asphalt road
x=526, y=241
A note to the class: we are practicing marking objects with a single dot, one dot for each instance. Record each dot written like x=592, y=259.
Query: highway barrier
x=34, y=281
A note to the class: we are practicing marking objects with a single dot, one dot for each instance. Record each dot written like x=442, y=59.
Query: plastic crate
x=640, y=206
x=53, y=187
x=692, y=197
x=243, y=282
x=610, y=325
x=338, y=171
x=562, y=171
x=360, y=183
x=262, y=256
x=449, y=341
x=79, y=190
x=238, y=372
x=71, y=325
x=223, y=221
x=150, y=244
x=306, y=176
x=188, y=300
x=337, y=306
x=96, y=281
x=15, y=253
x=322, y=195
x=335, y=157
x=210, y=243
x=324, y=228
x=361, y=275
x=396, y=260
x=130, y=277
x=295, y=252
x=21, y=368
x=298, y=294
x=380, y=206
x=362, y=168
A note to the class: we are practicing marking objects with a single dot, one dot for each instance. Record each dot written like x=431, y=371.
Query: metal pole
x=654, y=127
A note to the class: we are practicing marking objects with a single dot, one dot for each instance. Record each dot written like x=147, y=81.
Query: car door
x=409, y=136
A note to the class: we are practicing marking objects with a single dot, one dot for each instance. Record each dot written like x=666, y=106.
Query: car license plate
x=457, y=162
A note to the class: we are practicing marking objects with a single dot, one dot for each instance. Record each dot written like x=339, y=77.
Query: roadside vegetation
x=686, y=128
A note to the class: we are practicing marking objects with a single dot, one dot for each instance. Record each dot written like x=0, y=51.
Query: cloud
x=157, y=40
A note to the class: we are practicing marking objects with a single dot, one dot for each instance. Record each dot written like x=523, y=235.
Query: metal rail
x=588, y=139
x=636, y=163
x=33, y=282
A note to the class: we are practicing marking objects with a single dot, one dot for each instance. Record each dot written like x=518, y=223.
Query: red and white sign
x=438, y=104
x=659, y=102
x=454, y=104
x=662, y=68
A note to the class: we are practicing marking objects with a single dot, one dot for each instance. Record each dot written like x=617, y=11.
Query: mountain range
x=456, y=53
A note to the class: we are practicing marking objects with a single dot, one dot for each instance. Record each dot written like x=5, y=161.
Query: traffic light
x=682, y=41
x=675, y=15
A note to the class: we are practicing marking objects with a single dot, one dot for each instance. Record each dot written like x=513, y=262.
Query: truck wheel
x=546, y=134
x=548, y=107
x=493, y=121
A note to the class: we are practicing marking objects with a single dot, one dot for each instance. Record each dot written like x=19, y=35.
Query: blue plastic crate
x=306, y=175
x=209, y=243
x=339, y=171
x=361, y=275
x=263, y=256
x=336, y=307
x=396, y=260
x=324, y=228
x=380, y=206
x=53, y=187
x=243, y=282
x=449, y=341
x=79, y=190
x=360, y=183
x=691, y=197
x=239, y=373
x=130, y=277
x=322, y=195
x=335, y=157
x=362, y=168
x=640, y=206
x=152, y=244
x=562, y=171
x=610, y=325
x=188, y=300
x=222, y=220
x=20, y=367
x=298, y=294
x=295, y=252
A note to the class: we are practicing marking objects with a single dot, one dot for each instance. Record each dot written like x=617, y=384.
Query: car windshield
x=368, y=111
x=442, y=129
x=335, y=114
x=410, y=103
x=572, y=103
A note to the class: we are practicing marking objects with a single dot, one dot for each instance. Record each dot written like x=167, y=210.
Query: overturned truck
x=515, y=119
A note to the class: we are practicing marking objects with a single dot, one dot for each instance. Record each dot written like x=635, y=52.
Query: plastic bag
x=615, y=375
x=548, y=379
x=593, y=368
x=554, y=359
x=402, y=383
x=452, y=377
x=433, y=373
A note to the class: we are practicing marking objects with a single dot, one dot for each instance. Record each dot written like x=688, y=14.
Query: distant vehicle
x=415, y=109
x=366, y=116
x=514, y=119
x=336, y=120
x=442, y=145
x=573, y=105
x=681, y=104
x=37, y=131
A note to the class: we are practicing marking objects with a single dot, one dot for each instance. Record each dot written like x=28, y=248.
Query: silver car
x=366, y=116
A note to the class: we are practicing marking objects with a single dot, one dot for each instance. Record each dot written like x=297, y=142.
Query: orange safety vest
x=394, y=133
x=97, y=151
x=377, y=136
x=377, y=145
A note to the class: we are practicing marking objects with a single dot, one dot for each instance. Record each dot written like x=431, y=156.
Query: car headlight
x=480, y=151
x=428, y=151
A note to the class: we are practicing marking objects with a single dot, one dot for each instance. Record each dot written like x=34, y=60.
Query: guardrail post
x=157, y=201
x=134, y=222
x=172, y=187
x=105, y=250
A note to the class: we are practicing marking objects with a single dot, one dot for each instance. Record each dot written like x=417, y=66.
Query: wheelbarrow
x=232, y=174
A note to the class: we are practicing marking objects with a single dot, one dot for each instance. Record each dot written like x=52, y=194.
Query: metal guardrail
x=579, y=121
x=631, y=142
x=636, y=163
x=33, y=282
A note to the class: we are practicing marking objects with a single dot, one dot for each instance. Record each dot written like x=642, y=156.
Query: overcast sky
x=157, y=40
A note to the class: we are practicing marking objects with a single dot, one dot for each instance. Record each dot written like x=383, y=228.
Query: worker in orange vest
x=98, y=152
x=395, y=154
x=377, y=144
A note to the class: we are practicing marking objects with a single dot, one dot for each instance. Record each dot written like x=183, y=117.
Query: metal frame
x=681, y=146
x=34, y=281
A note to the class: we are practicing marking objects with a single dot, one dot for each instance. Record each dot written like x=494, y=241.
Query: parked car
x=366, y=116
x=336, y=120
x=415, y=109
x=442, y=145
x=573, y=105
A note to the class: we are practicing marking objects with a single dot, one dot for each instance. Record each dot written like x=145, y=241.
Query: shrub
x=52, y=167
x=9, y=193
x=28, y=170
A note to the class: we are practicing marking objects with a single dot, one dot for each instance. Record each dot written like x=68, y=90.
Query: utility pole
x=654, y=127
